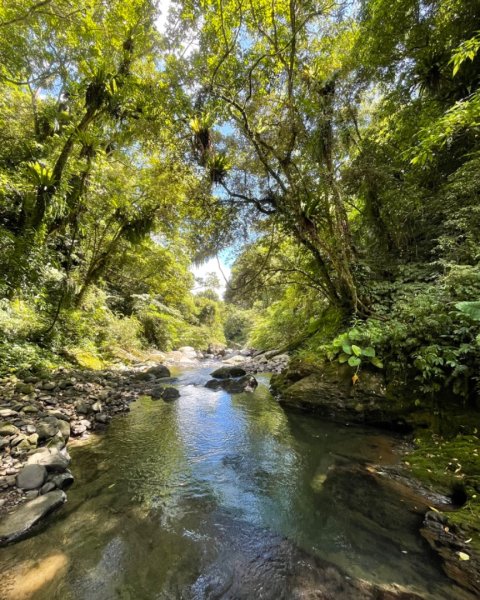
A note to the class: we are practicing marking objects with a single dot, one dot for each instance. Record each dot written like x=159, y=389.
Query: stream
x=220, y=496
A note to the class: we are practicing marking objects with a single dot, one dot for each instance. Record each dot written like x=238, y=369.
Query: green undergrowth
x=35, y=339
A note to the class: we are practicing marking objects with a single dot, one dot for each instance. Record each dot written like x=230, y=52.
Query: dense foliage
x=353, y=131
x=337, y=141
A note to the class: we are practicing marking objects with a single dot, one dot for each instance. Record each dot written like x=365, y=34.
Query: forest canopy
x=334, y=145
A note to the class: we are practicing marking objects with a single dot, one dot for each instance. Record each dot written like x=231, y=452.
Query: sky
x=162, y=19
x=211, y=266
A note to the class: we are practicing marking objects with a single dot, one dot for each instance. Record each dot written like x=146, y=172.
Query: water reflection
x=172, y=488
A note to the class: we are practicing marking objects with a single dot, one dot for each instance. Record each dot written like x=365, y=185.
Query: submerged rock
x=247, y=383
x=164, y=393
x=16, y=524
x=256, y=563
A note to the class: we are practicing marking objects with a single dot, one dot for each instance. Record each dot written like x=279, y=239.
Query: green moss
x=87, y=359
x=452, y=466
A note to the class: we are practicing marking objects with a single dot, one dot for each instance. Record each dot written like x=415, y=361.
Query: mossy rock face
x=331, y=392
x=452, y=465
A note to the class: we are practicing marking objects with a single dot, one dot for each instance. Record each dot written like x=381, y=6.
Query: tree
x=274, y=77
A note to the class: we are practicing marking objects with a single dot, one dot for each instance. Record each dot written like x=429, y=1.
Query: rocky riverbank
x=40, y=416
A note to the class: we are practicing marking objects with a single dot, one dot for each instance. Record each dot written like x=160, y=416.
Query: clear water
x=190, y=499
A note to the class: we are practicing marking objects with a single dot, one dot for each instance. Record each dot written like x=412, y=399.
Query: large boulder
x=247, y=383
x=330, y=392
x=227, y=372
x=52, y=459
x=31, y=477
x=158, y=371
x=15, y=525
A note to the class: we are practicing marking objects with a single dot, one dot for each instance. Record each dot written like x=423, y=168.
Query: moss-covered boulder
x=331, y=392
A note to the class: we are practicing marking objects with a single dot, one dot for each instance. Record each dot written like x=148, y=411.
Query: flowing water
x=220, y=496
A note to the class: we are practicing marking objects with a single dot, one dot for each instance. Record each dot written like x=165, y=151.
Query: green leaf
x=471, y=309
x=343, y=358
x=356, y=350
x=347, y=349
x=370, y=352
x=377, y=362
x=354, y=361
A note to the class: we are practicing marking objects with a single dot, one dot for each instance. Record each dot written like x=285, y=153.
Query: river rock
x=8, y=429
x=47, y=487
x=47, y=428
x=248, y=383
x=63, y=480
x=82, y=407
x=77, y=428
x=52, y=459
x=238, y=359
x=59, y=415
x=214, y=384
x=158, y=371
x=24, y=388
x=31, y=477
x=31, y=494
x=16, y=524
x=64, y=428
x=7, y=412
x=227, y=372
x=216, y=349
x=101, y=418
x=33, y=439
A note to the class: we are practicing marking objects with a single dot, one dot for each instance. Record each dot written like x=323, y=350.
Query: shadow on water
x=192, y=499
